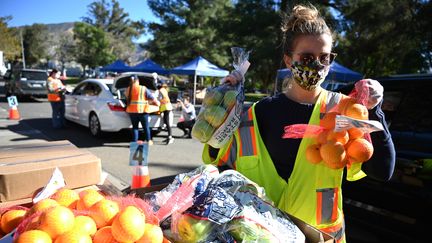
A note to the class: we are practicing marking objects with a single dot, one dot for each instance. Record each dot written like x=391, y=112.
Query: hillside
x=58, y=31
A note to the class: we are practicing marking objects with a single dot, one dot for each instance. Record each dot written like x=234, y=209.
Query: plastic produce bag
x=222, y=106
x=233, y=209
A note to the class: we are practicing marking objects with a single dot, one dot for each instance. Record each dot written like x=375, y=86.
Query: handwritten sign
x=138, y=154
x=13, y=101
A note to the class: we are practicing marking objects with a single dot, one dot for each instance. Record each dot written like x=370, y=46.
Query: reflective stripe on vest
x=247, y=135
x=315, y=199
x=165, y=101
x=138, y=102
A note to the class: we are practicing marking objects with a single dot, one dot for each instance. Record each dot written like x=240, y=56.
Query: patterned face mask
x=309, y=76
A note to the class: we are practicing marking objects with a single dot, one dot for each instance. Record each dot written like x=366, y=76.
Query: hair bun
x=300, y=15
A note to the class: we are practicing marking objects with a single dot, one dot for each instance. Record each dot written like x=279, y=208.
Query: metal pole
x=22, y=50
x=194, y=91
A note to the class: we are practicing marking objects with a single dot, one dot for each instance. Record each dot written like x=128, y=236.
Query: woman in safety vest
x=166, y=109
x=306, y=190
x=56, y=98
x=138, y=99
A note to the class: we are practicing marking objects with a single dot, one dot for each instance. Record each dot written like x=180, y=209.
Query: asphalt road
x=113, y=148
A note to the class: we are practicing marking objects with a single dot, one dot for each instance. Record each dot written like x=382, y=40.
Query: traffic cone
x=140, y=177
x=14, y=113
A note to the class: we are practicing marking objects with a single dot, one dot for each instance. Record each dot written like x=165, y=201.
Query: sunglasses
x=308, y=58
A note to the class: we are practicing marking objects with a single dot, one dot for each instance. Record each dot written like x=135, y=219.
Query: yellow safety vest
x=313, y=191
x=165, y=103
x=52, y=86
x=138, y=101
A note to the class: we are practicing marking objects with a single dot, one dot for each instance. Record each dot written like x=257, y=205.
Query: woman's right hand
x=233, y=78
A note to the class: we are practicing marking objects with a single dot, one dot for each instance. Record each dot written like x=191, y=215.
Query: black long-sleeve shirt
x=276, y=112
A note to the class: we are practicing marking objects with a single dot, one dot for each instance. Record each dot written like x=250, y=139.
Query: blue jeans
x=144, y=119
x=58, y=111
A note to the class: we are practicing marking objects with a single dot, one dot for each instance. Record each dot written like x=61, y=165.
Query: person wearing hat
x=56, y=91
x=165, y=108
x=138, y=98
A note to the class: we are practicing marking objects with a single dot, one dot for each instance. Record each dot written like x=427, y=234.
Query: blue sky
x=28, y=12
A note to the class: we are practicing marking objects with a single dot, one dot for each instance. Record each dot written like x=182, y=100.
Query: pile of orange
x=89, y=216
x=337, y=149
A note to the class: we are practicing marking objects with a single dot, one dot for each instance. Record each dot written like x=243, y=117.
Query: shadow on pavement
x=40, y=128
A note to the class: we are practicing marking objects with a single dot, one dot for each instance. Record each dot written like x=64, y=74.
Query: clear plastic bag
x=233, y=209
x=222, y=106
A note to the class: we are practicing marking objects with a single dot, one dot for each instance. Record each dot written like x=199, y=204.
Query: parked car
x=399, y=210
x=26, y=82
x=98, y=105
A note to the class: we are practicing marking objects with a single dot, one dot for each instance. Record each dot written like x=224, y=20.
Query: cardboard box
x=312, y=234
x=28, y=167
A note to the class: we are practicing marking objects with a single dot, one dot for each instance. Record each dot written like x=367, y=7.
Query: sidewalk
x=17, y=132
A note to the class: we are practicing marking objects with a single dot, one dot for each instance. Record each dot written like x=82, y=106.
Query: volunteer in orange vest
x=56, y=91
x=311, y=192
x=138, y=99
x=165, y=109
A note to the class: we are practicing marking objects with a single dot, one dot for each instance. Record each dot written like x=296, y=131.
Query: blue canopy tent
x=199, y=67
x=337, y=74
x=150, y=67
x=117, y=66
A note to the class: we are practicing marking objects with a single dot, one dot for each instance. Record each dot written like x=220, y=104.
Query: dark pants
x=58, y=112
x=166, y=121
x=136, y=118
x=186, y=126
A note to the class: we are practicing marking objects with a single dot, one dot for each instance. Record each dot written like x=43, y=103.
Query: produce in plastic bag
x=342, y=137
x=220, y=114
x=233, y=204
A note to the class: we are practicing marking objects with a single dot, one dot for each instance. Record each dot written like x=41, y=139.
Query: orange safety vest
x=53, y=85
x=138, y=100
x=165, y=102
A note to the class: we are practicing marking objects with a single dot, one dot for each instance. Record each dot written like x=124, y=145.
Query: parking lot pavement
x=16, y=132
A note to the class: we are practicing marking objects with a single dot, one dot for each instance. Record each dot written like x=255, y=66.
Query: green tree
x=9, y=41
x=35, y=44
x=255, y=25
x=93, y=46
x=393, y=37
x=189, y=29
x=112, y=19
x=65, y=49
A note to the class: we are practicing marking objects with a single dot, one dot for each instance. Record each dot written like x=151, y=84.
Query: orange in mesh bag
x=338, y=142
x=64, y=224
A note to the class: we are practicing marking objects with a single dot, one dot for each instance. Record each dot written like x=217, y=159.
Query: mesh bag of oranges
x=87, y=216
x=222, y=106
x=342, y=137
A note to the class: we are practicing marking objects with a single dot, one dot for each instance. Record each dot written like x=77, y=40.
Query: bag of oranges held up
x=342, y=136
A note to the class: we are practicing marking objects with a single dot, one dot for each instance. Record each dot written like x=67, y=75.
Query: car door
x=87, y=102
x=71, y=102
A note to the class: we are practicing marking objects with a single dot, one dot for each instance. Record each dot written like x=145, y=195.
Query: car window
x=31, y=75
x=79, y=90
x=92, y=89
x=409, y=110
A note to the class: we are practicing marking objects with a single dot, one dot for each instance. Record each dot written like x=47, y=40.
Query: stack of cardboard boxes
x=26, y=168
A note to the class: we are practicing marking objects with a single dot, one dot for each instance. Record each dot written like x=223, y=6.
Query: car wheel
x=94, y=125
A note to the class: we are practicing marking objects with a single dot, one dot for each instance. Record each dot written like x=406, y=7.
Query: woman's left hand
x=376, y=91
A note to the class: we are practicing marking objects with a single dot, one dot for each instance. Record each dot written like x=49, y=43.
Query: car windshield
x=31, y=75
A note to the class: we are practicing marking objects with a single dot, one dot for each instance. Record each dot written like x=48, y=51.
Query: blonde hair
x=303, y=20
